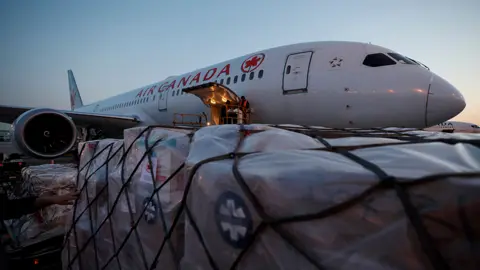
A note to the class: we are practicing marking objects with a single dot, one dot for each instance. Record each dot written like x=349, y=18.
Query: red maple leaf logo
x=253, y=62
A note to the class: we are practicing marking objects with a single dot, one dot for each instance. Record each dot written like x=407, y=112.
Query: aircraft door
x=162, y=100
x=295, y=73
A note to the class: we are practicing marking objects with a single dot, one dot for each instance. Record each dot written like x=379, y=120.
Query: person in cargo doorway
x=13, y=209
x=244, y=106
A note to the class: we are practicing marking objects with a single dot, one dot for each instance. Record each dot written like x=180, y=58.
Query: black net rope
x=385, y=182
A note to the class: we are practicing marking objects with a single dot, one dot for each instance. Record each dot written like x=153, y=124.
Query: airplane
x=336, y=84
x=455, y=127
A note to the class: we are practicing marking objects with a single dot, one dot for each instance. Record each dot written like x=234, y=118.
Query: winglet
x=75, y=98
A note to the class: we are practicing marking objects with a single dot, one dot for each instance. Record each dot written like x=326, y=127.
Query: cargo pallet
x=38, y=254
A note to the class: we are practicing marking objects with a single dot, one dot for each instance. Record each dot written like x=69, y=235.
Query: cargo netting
x=277, y=197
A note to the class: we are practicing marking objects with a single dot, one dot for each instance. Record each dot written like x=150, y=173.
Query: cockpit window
x=475, y=126
x=402, y=59
x=378, y=60
x=412, y=60
x=419, y=63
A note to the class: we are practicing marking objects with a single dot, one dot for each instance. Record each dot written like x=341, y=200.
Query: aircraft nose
x=444, y=101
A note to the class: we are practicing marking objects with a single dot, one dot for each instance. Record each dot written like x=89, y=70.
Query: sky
x=114, y=46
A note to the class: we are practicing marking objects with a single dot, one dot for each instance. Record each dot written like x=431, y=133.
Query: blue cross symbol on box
x=151, y=211
x=233, y=219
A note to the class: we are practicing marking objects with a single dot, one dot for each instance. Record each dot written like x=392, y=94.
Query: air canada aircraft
x=331, y=83
x=455, y=127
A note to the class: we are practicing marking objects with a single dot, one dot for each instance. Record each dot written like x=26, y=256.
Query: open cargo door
x=214, y=96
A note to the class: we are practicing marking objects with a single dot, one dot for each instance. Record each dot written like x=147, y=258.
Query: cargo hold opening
x=214, y=96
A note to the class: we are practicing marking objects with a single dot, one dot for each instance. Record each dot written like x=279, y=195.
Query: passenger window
x=252, y=75
x=288, y=70
x=178, y=91
x=153, y=98
x=260, y=74
x=235, y=79
x=221, y=81
x=228, y=80
x=173, y=93
x=378, y=60
x=243, y=77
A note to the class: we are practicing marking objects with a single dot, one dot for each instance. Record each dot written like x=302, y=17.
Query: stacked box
x=43, y=180
x=89, y=242
x=150, y=199
x=294, y=208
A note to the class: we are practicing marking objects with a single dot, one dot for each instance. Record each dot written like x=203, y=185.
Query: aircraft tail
x=75, y=98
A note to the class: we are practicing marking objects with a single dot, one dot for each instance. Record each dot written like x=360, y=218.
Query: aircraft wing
x=8, y=114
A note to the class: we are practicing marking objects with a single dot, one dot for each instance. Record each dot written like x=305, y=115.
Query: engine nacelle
x=44, y=133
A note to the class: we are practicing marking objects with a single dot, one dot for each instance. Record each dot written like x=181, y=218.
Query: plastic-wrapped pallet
x=286, y=208
x=89, y=241
x=44, y=180
x=141, y=217
x=48, y=179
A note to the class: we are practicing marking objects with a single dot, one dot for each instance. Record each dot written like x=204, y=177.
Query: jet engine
x=44, y=133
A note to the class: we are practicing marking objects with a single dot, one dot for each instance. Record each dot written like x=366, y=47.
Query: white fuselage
x=455, y=126
x=318, y=83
